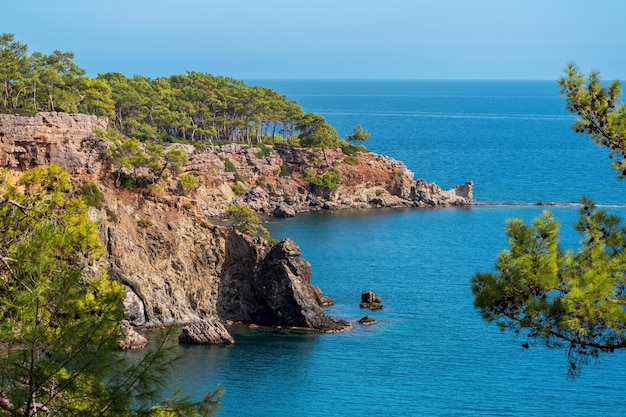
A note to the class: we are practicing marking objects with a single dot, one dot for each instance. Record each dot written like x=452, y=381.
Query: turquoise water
x=431, y=353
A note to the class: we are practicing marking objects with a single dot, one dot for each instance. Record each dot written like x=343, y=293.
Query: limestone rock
x=284, y=210
x=61, y=138
x=370, y=300
x=205, y=332
x=132, y=339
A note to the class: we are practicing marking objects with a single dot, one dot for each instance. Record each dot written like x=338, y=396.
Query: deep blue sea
x=431, y=354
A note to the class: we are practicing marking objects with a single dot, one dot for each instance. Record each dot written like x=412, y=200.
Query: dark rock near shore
x=367, y=321
x=370, y=300
x=284, y=210
x=283, y=282
x=205, y=332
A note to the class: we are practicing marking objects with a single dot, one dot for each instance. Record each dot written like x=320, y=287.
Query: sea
x=431, y=353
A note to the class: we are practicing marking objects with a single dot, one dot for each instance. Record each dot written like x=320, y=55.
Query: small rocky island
x=180, y=268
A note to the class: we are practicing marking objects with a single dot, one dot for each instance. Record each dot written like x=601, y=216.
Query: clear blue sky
x=449, y=39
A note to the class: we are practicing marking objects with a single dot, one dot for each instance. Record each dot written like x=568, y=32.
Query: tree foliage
x=39, y=82
x=358, y=134
x=572, y=299
x=315, y=132
x=329, y=179
x=198, y=106
x=59, y=328
x=246, y=221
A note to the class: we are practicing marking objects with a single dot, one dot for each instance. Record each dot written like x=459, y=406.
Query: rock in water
x=370, y=300
x=367, y=321
x=205, y=332
x=283, y=282
x=132, y=339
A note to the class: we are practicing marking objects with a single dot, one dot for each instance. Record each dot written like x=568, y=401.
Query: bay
x=431, y=353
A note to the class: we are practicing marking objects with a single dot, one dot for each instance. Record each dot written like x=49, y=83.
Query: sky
x=328, y=39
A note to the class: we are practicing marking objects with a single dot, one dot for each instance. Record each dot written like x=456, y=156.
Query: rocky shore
x=178, y=267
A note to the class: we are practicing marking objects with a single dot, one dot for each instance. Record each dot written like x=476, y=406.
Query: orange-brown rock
x=180, y=268
x=65, y=139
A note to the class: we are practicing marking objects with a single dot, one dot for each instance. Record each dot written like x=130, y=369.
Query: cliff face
x=180, y=268
x=60, y=138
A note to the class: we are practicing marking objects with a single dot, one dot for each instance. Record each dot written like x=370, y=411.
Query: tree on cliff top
x=571, y=299
x=59, y=329
x=358, y=134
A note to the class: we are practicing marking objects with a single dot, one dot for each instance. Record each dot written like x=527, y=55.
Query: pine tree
x=571, y=299
x=59, y=327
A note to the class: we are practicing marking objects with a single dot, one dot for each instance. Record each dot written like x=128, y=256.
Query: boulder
x=205, y=332
x=367, y=321
x=132, y=339
x=284, y=210
x=370, y=300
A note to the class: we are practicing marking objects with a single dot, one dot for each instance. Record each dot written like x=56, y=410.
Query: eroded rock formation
x=205, y=332
x=178, y=267
x=371, y=300
x=61, y=138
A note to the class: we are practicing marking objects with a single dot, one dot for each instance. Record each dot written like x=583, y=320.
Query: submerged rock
x=205, y=332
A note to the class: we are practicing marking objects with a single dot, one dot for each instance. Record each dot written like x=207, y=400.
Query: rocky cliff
x=179, y=269
x=274, y=181
x=177, y=265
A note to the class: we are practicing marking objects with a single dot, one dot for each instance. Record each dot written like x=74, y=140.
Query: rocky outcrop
x=132, y=338
x=178, y=267
x=275, y=185
x=61, y=138
x=283, y=281
x=205, y=332
x=367, y=321
x=370, y=300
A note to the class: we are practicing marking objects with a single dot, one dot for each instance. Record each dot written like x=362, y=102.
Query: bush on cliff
x=247, y=222
x=329, y=179
x=59, y=328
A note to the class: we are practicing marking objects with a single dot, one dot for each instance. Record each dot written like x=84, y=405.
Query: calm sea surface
x=431, y=353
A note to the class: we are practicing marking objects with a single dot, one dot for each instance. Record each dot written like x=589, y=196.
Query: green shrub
x=127, y=181
x=264, y=151
x=284, y=171
x=247, y=222
x=397, y=172
x=350, y=149
x=329, y=179
x=188, y=182
x=91, y=194
x=228, y=165
x=351, y=160
x=238, y=189
x=156, y=188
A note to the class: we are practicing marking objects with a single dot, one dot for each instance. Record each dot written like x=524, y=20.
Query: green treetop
x=570, y=299
x=358, y=134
